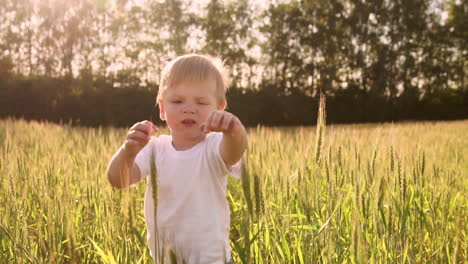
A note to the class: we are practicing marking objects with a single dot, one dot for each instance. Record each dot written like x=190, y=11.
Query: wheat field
x=371, y=193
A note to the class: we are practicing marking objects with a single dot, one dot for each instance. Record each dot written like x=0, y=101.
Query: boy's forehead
x=193, y=78
x=193, y=83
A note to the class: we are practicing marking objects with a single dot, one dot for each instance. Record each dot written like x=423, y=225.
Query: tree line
x=98, y=62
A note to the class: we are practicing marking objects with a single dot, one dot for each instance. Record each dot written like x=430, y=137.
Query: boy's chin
x=189, y=133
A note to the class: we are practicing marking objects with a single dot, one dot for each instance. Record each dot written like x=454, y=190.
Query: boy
x=192, y=165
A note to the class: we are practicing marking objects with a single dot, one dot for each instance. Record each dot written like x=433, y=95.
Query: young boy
x=192, y=164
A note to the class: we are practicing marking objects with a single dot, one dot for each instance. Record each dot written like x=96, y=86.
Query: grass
x=380, y=193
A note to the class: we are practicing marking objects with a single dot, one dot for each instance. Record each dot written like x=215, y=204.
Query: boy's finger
x=154, y=128
x=148, y=126
x=139, y=135
x=142, y=129
x=145, y=128
x=133, y=145
x=134, y=126
x=151, y=126
x=131, y=142
x=216, y=121
x=234, y=125
x=202, y=127
x=206, y=125
x=227, y=120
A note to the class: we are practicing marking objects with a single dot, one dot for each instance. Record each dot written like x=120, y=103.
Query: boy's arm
x=234, y=140
x=122, y=170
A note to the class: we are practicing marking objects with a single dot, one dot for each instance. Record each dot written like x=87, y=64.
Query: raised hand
x=138, y=136
x=222, y=121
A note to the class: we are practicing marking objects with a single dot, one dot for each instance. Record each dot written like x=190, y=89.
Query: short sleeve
x=214, y=146
x=143, y=158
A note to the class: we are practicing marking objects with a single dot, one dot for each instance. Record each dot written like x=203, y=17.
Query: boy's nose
x=189, y=109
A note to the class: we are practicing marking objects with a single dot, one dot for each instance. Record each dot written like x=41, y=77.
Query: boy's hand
x=234, y=140
x=138, y=136
x=222, y=121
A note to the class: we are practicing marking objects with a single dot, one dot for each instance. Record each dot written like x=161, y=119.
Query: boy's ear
x=162, y=113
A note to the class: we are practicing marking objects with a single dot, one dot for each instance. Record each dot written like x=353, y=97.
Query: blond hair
x=195, y=67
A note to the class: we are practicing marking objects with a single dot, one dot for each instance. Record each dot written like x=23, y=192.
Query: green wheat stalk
x=321, y=121
x=154, y=189
x=245, y=179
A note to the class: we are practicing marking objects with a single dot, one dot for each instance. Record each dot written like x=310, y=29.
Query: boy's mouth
x=188, y=122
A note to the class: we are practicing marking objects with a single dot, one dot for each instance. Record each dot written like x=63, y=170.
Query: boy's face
x=186, y=106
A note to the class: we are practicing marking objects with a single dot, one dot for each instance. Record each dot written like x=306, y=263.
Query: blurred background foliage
x=98, y=62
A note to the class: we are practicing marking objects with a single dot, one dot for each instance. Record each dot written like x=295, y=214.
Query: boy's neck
x=183, y=143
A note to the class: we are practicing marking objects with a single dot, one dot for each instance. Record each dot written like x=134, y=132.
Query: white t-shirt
x=193, y=212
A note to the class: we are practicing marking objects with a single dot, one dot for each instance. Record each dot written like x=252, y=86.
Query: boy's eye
x=177, y=101
x=202, y=103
